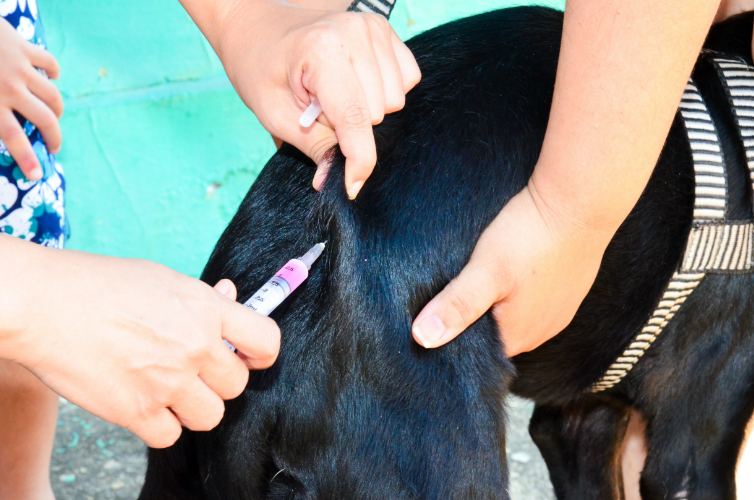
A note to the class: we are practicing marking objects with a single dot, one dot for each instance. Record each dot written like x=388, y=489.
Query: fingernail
x=55, y=151
x=429, y=331
x=354, y=189
x=35, y=174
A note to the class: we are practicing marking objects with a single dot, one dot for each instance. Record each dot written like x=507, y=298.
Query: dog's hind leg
x=581, y=445
x=692, y=450
x=695, y=388
x=691, y=458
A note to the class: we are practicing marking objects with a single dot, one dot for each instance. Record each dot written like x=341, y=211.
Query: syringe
x=310, y=114
x=285, y=281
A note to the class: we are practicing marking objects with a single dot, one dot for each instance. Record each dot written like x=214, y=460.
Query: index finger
x=19, y=146
x=42, y=59
x=345, y=105
x=256, y=337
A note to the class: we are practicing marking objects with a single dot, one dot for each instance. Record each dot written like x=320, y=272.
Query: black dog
x=355, y=409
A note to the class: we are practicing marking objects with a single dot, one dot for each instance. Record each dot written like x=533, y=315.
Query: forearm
x=211, y=16
x=21, y=269
x=623, y=68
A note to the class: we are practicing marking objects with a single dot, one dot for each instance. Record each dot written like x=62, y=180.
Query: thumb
x=227, y=288
x=462, y=301
x=315, y=142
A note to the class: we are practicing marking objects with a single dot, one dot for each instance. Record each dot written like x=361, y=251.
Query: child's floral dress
x=31, y=211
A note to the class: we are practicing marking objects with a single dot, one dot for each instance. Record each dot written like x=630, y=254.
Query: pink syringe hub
x=294, y=272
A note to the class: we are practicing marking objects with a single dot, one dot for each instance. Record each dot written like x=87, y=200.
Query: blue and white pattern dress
x=31, y=211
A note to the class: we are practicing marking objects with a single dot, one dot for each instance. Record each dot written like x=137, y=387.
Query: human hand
x=27, y=91
x=131, y=341
x=531, y=265
x=354, y=63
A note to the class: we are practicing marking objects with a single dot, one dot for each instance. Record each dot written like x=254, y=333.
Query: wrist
x=576, y=215
x=237, y=19
x=215, y=17
x=267, y=19
x=336, y=5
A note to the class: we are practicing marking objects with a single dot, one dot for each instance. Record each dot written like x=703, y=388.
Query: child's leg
x=744, y=479
x=634, y=455
x=28, y=417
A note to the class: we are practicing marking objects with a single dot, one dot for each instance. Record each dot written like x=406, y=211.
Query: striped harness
x=715, y=245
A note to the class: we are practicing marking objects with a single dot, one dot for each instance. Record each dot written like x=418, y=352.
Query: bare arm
x=623, y=67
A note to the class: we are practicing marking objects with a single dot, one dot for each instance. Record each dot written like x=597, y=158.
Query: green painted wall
x=158, y=149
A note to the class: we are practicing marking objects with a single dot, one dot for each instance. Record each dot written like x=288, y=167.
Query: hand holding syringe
x=280, y=286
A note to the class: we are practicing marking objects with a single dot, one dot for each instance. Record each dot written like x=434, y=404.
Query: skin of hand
x=623, y=68
x=130, y=341
x=278, y=56
x=27, y=91
x=729, y=8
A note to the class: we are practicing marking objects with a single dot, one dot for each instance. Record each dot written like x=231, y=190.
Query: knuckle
x=213, y=414
x=412, y=75
x=48, y=122
x=199, y=347
x=378, y=115
x=11, y=89
x=319, y=148
x=139, y=416
x=172, y=387
x=239, y=383
x=53, y=65
x=28, y=72
x=358, y=21
x=415, y=77
x=216, y=416
x=394, y=102
x=11, y=132
x=461, y=305
x=56, y=103
x=356, y=115
x=166, y=437
x=322, y=37
x=378, y=22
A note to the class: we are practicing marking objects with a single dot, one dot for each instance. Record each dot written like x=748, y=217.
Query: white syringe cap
x=313, y=254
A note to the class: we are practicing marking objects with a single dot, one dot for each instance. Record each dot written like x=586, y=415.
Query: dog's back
x=353, y=408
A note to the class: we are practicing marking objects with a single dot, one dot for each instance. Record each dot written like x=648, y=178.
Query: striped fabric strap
x=383, y=7
x=711, y=188
x=680, y=287
x=738, y=80
x=719, y=248
x=715, y=246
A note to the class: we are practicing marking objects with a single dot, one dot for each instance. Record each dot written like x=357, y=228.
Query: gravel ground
x=94, y=460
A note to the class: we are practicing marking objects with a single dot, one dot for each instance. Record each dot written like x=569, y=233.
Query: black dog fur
x=355, y=409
